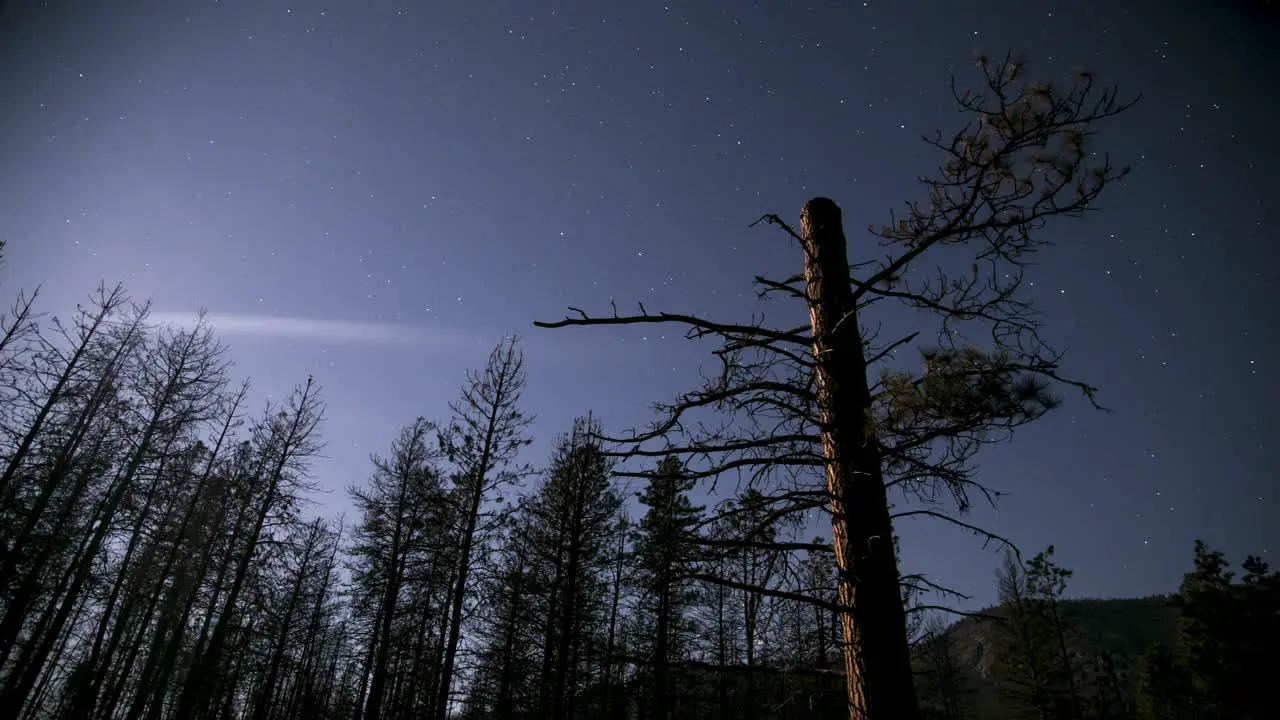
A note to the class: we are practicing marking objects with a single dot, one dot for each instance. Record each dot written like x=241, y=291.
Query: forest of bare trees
x=161, y=553
x=162, y=557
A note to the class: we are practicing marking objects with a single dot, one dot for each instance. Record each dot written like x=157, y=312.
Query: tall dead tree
x=283, y=442
x=807, y=420
x=862, y=532
x=483, y=442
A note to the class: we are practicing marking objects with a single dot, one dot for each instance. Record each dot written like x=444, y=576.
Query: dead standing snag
x=867, y=588
x=799, y=399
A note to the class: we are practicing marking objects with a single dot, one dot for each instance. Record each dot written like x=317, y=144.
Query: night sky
x=377, y=192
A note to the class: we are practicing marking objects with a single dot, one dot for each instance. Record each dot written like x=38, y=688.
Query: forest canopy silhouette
x=160, y=556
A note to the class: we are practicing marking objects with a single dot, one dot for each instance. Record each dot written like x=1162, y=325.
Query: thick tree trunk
x=877, y=662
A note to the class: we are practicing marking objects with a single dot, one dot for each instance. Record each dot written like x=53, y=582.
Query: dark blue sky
x=376, y=192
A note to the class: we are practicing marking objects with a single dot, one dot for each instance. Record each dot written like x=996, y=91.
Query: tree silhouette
x=482, y=441
x=665, y=561
x=1229, y=634
x=1038, y=674
x=800, y=419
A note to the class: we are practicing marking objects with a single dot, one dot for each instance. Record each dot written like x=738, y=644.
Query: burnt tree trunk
x=877, y=663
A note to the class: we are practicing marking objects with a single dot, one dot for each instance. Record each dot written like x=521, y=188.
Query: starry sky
x=376, y=192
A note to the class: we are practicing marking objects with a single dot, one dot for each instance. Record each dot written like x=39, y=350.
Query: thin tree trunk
x=421, y=689
x=390, y=598
x=304, y=682
x=490, y=425
x=163, y=657
x=722, y=655
x=446, y=621
x=263, y=708
x=548, y=630
x=1061, y=637
x=444, y=692
x=661, y=709
x=105, y=386
x=504, y=706
x=367, y=667
x=458, y=597
x=85, y=695
x=208, y=667
x=564, y=642
x=610, y=650
x=179, y=557
x=749, y=629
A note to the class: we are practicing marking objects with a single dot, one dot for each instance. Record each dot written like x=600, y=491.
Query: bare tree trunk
x=25, y=559
x=387, y=612
x=661, y=698
x=749, y=635
x=504, y=705
x=105, y=646
x=367, y=667
x=303, y=691
x=163, y=659
x=610, y=649
x=457, y=599
x=548, y=629
x=877, y=661
x=179, y=564
x=313, y=544
x=566, y=668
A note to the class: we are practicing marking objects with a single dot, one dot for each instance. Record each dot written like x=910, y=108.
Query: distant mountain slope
x=1124, y=628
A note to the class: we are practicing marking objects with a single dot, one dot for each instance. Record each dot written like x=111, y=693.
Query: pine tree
x=308, y=548
x=1024, y=652
x=1046, y=582
x=1113, y=699
x=154, y=562
x=400, y=509
x=59, y=465
x=568, y=527
x=1229, y=631
x=753, y=565
x=503, y=686
x=945, y=685
x=664, y=559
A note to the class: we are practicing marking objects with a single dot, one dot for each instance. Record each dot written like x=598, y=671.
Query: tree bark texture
x=877, y=662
